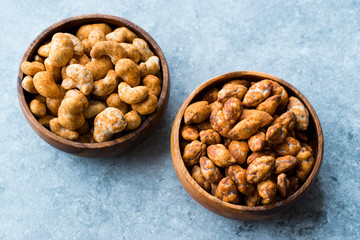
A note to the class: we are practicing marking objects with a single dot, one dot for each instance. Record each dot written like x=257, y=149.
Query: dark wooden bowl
x=231, y=210
x=109, y=148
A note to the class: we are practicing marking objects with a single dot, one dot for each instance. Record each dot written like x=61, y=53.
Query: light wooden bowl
x=231, y=210
x=109, y=148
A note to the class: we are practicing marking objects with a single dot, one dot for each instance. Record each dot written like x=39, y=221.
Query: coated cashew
x=107, y=123
x=70, y=115
x=132, y=95
x=108, y=48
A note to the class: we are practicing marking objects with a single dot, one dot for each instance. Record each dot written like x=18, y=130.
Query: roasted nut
x=53, y=104
x=83, y=59
x=257, y=142
x=107, y=123
x=290, y=146
x=255, y=155
x=257, y=93
x=78, y=46
x=226, y=191
x=192, y=153
x=105, y=86
x=287, y=119
x=294, y=185
x=209, y=137
x=37, y=108
x=132, y=95
x=128, y=71
x=189, y=133
x=197, y=112
x=95, y=36
x=79, y=77
x=210, y=171
x=277, y=89
x=220, y=155
x=253, y=199
x=282, y=184
x=210, y=95
x=114, y=101
x=276, y=133
x=74, y=93
x=111, y=49
x=84, y=128
x=270, y=105
x=199, y=178
x=232, y=110
x=216, y=106
x=133, y=120
x=55, y=71
x=93, y=109
x=267, y=190
x=237, y=91
x=301, y=113
x=260, y=169
x=204, y=126
x=239, y=150
x=153, y=83
x=31, y=68
x=61, y=50
x=147, y=106
x=238, y=175
x=45, y=120
x=56, y=128
x=45, y=85
x=85, y=30
x=44, y=49
x=28, y=84
x=70, y=114
x=143, y=48
x=284, y=164
x=99, y=67
x=263, y=117
x=305, y=164
x=244, y=129
x=245, y=83
x=219, y=123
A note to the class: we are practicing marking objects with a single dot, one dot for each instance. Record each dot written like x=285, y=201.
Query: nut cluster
x=245, y=143
x=94, y=86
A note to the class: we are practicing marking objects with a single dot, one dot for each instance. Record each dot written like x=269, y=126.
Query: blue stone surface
x=314, y=45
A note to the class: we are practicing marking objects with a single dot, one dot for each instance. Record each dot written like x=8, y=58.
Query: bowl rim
x=180, y=167
x=95, y=18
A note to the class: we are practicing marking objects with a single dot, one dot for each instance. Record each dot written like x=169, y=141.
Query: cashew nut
x=131, y=51
x=143, y=48
x=153, y=83
x=78, y=46
x=45, y=120
x=147, y=106
x=56, y=128
x=53, y=104
x=107, y=123
x=128, y=71
x=74, y=93
x=133, y=120
x=132, y=95
x=55, y=71
x=83, y=59
x=37, y=108
x=94, y=108
x=28, y=84
x=114, y=101
x=70, y=115
x=106, y=85
x=45, y=85
x=151, y=66
x=95, y=36
x=85, y=30
x=31, y=68
x=44, y=50
x=81, y=76
x=38, y=58
x=99, y=67
x=61, y=50
x=108, y=48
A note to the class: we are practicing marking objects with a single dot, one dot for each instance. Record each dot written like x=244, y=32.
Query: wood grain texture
x=236, y=211
x=110, y=148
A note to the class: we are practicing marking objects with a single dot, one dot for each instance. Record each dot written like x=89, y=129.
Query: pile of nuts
x=92, y=86
x=245, y=143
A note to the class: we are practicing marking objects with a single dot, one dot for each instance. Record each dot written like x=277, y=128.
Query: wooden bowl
x=231, y=210
x=109, y=148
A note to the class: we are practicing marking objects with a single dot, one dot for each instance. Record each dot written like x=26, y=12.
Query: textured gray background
x=314, y=45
